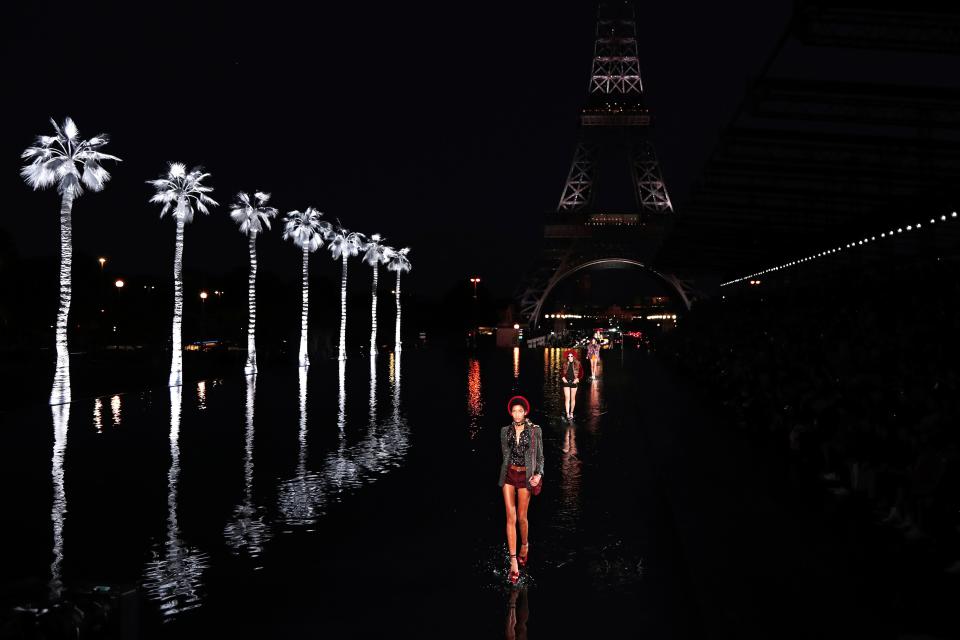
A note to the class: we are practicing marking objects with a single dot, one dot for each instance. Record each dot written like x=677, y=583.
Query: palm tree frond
x=70, y=129
x=94, y=176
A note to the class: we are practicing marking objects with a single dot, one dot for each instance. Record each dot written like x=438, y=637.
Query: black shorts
x=571, y=385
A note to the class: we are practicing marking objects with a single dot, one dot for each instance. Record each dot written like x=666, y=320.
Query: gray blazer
x=534, y=451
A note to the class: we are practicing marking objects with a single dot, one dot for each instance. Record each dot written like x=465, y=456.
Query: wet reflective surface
x=357, y=496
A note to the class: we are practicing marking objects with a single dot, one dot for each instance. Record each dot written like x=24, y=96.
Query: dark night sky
x=446, y=129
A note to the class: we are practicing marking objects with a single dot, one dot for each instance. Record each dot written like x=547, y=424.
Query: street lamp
x=203, y=314
x=474, y=281
x=102, y=262
x=118, y=284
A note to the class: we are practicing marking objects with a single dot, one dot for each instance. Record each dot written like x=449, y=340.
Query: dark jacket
x=534, y=455
x=577, y=370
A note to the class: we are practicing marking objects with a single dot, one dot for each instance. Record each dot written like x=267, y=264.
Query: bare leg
x=522, y=506
x=573, y=399
x=566, y=400
x=509, y=496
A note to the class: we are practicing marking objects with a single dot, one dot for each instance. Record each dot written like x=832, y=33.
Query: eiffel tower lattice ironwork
x=614, y=209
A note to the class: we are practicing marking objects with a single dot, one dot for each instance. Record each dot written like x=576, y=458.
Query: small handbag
x=535, y=490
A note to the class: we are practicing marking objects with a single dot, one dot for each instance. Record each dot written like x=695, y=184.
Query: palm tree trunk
x=373, y=311
x=61, y=379
x=176, y=362
x=396, y=336
x=343, y=311
x=251, y=366
x=304, y=309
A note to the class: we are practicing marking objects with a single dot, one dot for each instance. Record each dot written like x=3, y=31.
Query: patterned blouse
x=519, y=451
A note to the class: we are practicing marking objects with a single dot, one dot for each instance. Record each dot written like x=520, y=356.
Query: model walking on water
x=521, y=476
x=593, y=354
x=572, y=375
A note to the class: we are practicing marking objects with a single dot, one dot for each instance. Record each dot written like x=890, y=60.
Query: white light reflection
x=516, y=362
x=342, y=397
x=61, y=421
x=339, y=470
x=202, y=395
x=173, y=575
x=60, y=394
x=301, y=497
x=98, y=415
x=373, y=391
x=115, y=410
x=247, y=531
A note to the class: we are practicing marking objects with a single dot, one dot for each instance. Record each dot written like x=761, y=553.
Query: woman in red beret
x=572, y=374
x=521, y=475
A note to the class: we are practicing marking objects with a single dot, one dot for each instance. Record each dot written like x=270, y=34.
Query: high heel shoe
x=522, y=560
x=514, y=575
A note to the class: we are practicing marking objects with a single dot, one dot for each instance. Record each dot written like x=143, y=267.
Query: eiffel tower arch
x=614, y=209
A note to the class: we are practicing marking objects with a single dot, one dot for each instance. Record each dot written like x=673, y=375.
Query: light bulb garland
x=849, y=245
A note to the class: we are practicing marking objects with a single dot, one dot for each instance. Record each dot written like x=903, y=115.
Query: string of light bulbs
x=849, y=245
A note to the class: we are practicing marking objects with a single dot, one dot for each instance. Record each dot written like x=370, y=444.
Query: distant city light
x=102, y=262
x=203, y=295
x=118, y=284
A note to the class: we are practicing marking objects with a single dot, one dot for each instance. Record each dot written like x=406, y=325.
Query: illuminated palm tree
x=343, y=245
x=398, y=261
x=179, y=192
x=71, y=163
x=252, y=218
x=374, y=256
x=307, y=231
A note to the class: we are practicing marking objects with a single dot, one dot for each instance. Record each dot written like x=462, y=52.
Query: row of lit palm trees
x=72, y=164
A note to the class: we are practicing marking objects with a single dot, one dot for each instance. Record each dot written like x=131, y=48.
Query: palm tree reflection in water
x=61, y=421
x=173, y=576
x=98, y=415
x=301, y=497
x=383, y=447
x=247, y=531
x=340, y=471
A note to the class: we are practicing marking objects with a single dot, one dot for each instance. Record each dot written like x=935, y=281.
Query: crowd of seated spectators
x=854, y=377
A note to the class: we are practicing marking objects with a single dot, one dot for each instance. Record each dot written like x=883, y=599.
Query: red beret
x=512, y=401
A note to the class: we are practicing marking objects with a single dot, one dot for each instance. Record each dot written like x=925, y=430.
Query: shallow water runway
x=355, y=498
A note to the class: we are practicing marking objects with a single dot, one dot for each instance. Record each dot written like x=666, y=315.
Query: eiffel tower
x=614, y=210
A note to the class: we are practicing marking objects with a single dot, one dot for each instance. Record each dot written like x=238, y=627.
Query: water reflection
x=60, y=393
x=342, y=397
x=247, y=531
x=518, y=612
x=395, y=381
x=115, y=410
x=173, y=576
x=339, y=470
x=373, y=390
x=202, y=395
x=516, y=362
x=61, y=421
x=301, y=497
x=474, y=397
x=98, y=415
